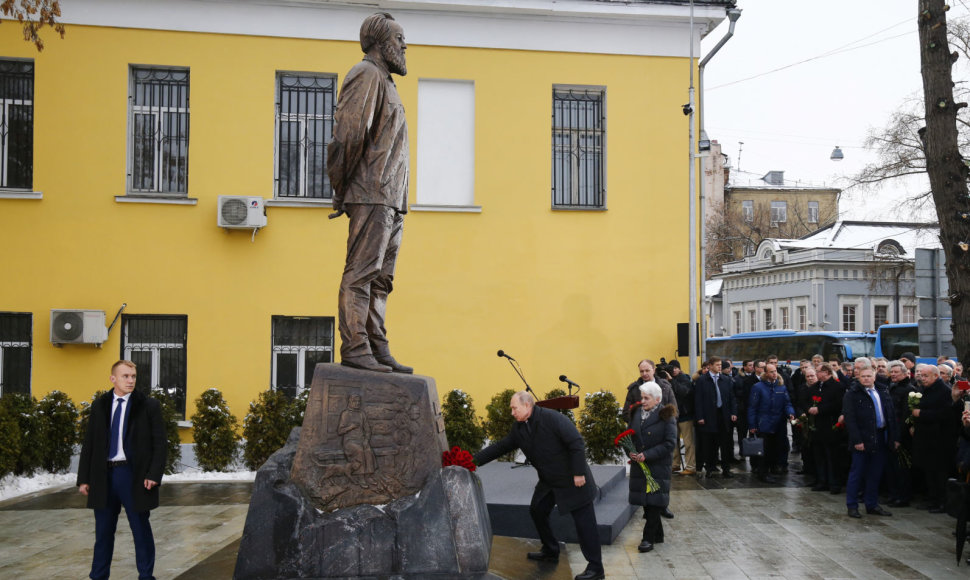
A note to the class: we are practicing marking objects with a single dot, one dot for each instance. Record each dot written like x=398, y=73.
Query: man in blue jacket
x=768, y=407
x=869, y=414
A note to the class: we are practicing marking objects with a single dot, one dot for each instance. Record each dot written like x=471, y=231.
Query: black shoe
x=387, y=359
x=711, y=474
x=591, y=575
x=937, y=510
x=727, y=474
x=543, y=556
x=878, y=511
x=667, y=513
x=644, y=546
x=854, y=513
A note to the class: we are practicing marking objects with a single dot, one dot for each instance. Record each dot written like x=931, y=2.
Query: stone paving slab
x=724, y=529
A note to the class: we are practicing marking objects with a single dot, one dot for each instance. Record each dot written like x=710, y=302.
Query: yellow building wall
x=582, y=293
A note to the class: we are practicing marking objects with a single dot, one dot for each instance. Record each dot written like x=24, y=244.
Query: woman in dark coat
x=825, y=441
x=655, y=435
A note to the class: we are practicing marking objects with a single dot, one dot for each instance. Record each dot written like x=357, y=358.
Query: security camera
x=688, y=109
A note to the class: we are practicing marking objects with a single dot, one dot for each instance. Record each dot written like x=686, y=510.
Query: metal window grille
x=157, y=346
x=299, y=343
x=16, y=124
x=15, y=352
x=578, y=139
x=304, y=125
x=159, y=127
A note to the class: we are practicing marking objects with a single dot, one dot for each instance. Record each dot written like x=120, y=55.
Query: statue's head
x=382, y=38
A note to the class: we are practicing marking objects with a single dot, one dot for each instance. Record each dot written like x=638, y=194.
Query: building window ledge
x=299, y=202
x=577, y=208
x=20, y=194
x=156, y=199
x=447, y=208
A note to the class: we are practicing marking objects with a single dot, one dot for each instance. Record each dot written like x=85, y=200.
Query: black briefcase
x=752, y=446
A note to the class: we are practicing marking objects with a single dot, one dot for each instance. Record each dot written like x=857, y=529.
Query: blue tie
x=875, y=401
x=717, y=391
x=115, y=421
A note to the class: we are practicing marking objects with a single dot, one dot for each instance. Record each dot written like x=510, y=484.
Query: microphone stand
x=528, y=389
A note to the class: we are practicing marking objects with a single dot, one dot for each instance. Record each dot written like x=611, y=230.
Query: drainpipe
x=733, y=14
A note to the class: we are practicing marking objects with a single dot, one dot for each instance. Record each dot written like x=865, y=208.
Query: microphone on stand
x=502, y=353
x=570, y=383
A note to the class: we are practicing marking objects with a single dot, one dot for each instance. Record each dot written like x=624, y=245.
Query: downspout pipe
x=733, y=14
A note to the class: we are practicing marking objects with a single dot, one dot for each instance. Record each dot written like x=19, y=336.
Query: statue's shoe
x=366, y=362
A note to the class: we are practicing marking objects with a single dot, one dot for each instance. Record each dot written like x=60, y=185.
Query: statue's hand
x=336, y=214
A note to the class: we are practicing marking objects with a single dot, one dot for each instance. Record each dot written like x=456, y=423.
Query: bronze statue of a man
x=368, y=166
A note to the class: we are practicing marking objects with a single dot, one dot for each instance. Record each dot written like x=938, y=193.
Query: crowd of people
x=867, y=428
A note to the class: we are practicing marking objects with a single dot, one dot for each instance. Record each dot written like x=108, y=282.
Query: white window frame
x=783, y=314
x=813, y=212
x=135, y=110
x=747, y=210
x=801, y=311
x=779, y=212
x=855, y=302
x=888, y=304
x=300, y=351
x=909, y=313
x=752, y=320
x=768, y=317
x=302, y=120
x=17, y=344
x=579, y=139
x=736, y=321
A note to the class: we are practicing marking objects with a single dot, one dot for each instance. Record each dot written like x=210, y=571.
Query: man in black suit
x=555, y=448
x=121, y=464
x=715, y=410
x=934, y=435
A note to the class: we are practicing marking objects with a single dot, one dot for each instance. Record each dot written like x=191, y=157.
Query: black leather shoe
x=396, y=367
x=878, y=511
x=591, y=575
x=543, y=556
x=854, y=513
x=366, y=362
x=667, y=513
x=644, y=546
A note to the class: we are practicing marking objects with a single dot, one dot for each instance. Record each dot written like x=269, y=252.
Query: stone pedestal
x=359, y=492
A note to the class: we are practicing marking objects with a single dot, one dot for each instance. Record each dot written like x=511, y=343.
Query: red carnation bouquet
x=458, y=456
x=625, y=440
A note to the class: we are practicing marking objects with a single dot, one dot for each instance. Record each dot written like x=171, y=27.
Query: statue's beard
x=395, y=60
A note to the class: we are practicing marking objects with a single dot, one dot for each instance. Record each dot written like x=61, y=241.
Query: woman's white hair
x=651, y=388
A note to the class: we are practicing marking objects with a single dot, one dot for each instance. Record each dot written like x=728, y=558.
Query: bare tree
x=945, y=165
x=33, y=15
x=731, y=235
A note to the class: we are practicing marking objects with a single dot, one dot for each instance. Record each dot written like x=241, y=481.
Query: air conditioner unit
x=78, y=327
x=241, y=212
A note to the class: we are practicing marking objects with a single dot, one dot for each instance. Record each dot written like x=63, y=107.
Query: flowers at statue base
x=625, y=441
x=458, y=456
x=912, y=401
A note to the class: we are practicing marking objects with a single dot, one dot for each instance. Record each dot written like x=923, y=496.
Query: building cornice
x=585, y=26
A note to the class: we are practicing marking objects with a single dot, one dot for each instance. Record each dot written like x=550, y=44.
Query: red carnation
x=458, y=456
x=616, y=440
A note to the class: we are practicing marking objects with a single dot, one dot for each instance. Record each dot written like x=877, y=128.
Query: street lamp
x=837, y=154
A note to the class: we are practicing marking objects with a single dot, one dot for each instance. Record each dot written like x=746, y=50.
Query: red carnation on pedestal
x=458, y=456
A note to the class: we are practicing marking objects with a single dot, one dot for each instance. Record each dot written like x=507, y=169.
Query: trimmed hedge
x=600, y=423
x=214, y=430
x=170, y=417
x=9, y=442
x=59, y=413
x=268, y=424
x=23, y=408
x=462, y=427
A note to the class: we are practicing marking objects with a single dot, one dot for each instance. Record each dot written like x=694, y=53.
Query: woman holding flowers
x=655, y=435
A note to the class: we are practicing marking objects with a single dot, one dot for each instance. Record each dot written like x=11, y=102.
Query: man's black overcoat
x=555, y=448
x=144, y=443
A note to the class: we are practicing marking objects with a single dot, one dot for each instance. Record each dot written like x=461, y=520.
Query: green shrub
x=23, y=408
x=214, y=430
x=499, y=419
x=561, y=393
x=268, y=424
x=9, y=442
x=84, y=413
x=59, y=414
x=170, y=417
x=462, y=427
x=600, y=423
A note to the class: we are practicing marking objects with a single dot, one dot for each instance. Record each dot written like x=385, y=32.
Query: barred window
x=578, y=152
x=17, y=124
x=156, y=344
x=15, y=351
x=299, y=343
x=304, y=125
x=159, y=125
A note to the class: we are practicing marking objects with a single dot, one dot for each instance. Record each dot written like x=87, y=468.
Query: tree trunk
x=947, y=171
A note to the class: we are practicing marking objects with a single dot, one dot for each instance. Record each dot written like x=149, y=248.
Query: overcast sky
x=861, y=63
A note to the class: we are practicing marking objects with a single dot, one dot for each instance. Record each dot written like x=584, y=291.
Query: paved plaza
x=735, y=528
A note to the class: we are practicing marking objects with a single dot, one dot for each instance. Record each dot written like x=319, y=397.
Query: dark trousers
x=711, y=443
x=770, y=457
x=900, y=480
x=106, y=522
x=653, y=528
x=373, y=241
x=826, y=472
x=936, y=476
x=585, y=519
x=866, y=466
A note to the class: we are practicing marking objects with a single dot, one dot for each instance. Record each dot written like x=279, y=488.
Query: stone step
x=508, y=492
